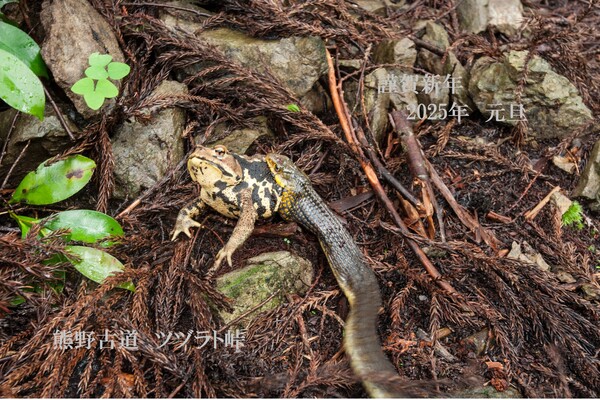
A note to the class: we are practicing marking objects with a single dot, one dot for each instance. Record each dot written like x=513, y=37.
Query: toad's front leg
x=185, y=217
x=241, y=232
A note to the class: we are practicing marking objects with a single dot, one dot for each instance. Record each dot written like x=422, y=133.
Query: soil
x=504, y=323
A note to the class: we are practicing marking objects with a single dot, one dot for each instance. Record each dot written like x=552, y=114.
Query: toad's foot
x=183, y=225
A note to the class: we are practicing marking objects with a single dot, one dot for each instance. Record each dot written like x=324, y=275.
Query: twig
x=10, y=131
x=342, y=113
x=385, y=173
x=14, y=164
x=417, y=163
x=59, y=115
x=530, y=215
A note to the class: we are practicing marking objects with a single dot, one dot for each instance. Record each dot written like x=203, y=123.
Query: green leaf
x=53, y=183
x=83, y=86
x=97, y=265
x=25, y=223
x=17, y=301
x=107, y=89
x=19, y=87
x=86, y=225
x=293, y=107
x=99, y=60
x=118, y=70
x=94, y=100
x=22, y=46
x=96, y=72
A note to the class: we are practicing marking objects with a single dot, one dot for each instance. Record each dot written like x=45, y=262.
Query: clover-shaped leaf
x=94, y=100
x=99, y=60
x=107, y=89
x=83, y=86
x=96, y=72
x=118, y=70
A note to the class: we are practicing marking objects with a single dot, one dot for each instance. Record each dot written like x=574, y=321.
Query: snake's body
x=301, y=203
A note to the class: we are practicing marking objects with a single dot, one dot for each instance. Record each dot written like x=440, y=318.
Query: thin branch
x=59, y=115
x=342, y=113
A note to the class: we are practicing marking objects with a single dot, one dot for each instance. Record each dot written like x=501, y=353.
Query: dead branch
x=343, y=116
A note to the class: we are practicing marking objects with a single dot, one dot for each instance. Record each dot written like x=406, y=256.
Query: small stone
x=75, y=30
x=297, y=62
x=475, y=16
x=527, y=254
x=590, y=291
x=379, y=7
x=401, y=51
x=238, y=140
x=550, y=103
x=145, y=152
x=265, y=274
x=561, y=202
x=589, y=182
x=478, y=341
x=565, y=277
x=564, y=163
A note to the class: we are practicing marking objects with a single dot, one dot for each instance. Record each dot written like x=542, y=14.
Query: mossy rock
x=268, y=273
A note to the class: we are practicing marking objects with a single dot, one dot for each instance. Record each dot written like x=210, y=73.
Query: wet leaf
x=83, y=86
x=107, y=89
x=118, y=70
x=50, y=184
x=99, y=60
x=21, y=45
x=19, y=87
x=97, y=265
x=85, y=225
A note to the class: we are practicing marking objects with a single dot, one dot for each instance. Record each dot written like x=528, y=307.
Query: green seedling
x=573, y=216
x=96, y=87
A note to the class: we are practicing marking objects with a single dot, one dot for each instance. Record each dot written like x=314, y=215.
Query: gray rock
x=382, y=88
x=144, y=152
x=589, y=182
x=528, y=255
x=297, y=62
x=379, y=7
x=265, y=274
x=590, y=291
x=396, y=52
x=446, y=67
x=561, y=202
x=475, y=16
x=436, y=35
x=488, y=392
x=74, y=30
x=317, y=100
x=238, y=140
x=48, y=138
x=551, y=103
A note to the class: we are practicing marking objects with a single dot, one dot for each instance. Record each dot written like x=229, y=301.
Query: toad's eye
x=220, y=151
